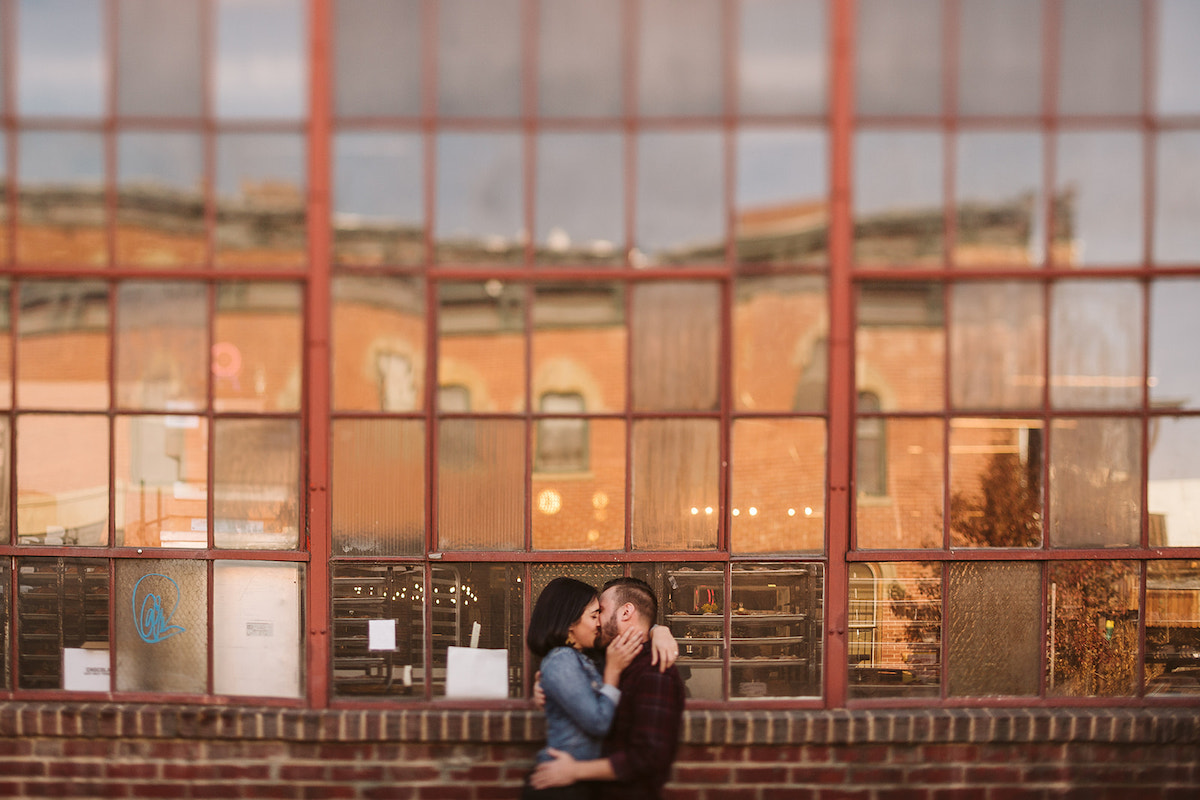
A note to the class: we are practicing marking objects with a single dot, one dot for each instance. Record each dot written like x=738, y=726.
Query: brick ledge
x=701, y=726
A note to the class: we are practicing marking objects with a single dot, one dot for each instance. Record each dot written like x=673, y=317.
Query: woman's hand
x=620, y=653
x=663, y=647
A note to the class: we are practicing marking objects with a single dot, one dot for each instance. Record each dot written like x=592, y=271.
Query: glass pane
x=161, y=481
x=1178, y=60
x=1177, y=197
x=5, y=216
x=6, y=342
x=61, y=65
x=902, y=458
x=256, y=483
x=261, y=68
x=378, y=487
x=900, y=345
x=62, y=624
x=1092, y=630
x=62, y=344
x=999, y=197
x=680, y=198
x=480, y=216
x=378, y=344
x=378, y=202
x=5, y=485
x=579, y=58
x=1172, y=628
x=997, y=345
x=895, y=629
x=1100, y=67
x=782, y=57
x=1096, y=344
x=676, y=339
x=580, y=343
x=62, y=479
x=580, y=217
x=159, y=66
x=989, y=653
x=782, y=208
x=257, y=358
x=579, y=496
x=377, y=57
x=260, y=200
x=1099, y=198
x=777, y=486
x=489, y=596
x=479, y=58
x=1095, y=482
x=898, y=198
x=1174, y=325
x=1000, y=57
x=162, y=626
x=482, y=343
x=692, y=602
x=62, y=215
x=161, y=340
x=257, y=616
x=481, y=484
x=899, y=57
x=160, y=199
x=378, y=631
x=996, y=482
x=1173, y=490
x=776, y=630
x=5, y=626
x=679, y=58
x=781, y=344
x=675, y=484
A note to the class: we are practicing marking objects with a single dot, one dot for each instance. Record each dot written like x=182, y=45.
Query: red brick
x=760, y=774
x=709, y=775
x=444, y=792
x=820, y=775
x=392, y=792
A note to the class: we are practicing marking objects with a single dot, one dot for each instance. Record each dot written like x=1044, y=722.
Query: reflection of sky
x=897, y=170
x=60, y=58
x=1177, y=200
x=780, y=166
x=1174, y=332
x=479, y=185
x=1095, y=331
x=782, y=66
x=1104, y=170
x=1178, y=57
x=680, y=190
x=261, y=55
x=377, y=176
x=581, y=187
x=257, y=158
x=61, y=158
x=173, y=160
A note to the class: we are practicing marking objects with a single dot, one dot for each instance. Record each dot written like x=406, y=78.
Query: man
x=642, y=742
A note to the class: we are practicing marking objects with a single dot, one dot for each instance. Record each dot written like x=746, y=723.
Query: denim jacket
x=579, y=704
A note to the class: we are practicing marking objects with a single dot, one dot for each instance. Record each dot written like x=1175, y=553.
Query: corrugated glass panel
x=162, y=626
x=990, y=653
x=676, y=464
x=378, y=487
x=481, y=484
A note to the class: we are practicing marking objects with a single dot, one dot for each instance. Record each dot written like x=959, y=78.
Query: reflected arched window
x=870, y=448
x=562, y=442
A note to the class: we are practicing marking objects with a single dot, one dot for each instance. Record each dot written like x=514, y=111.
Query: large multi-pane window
x=335, y=329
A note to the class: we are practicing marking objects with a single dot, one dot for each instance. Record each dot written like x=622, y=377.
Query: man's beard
x=608, y=631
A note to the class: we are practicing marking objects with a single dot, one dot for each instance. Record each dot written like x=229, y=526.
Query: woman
x=579, y=700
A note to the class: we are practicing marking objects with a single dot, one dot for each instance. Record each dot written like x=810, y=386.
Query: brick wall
x=101, y=750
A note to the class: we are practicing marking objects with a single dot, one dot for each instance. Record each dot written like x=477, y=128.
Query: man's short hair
x=637, y=592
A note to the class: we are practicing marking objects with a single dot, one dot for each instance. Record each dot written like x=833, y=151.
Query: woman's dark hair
x=558, y=607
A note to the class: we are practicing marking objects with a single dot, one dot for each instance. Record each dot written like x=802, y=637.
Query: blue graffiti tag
x=153, y=625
